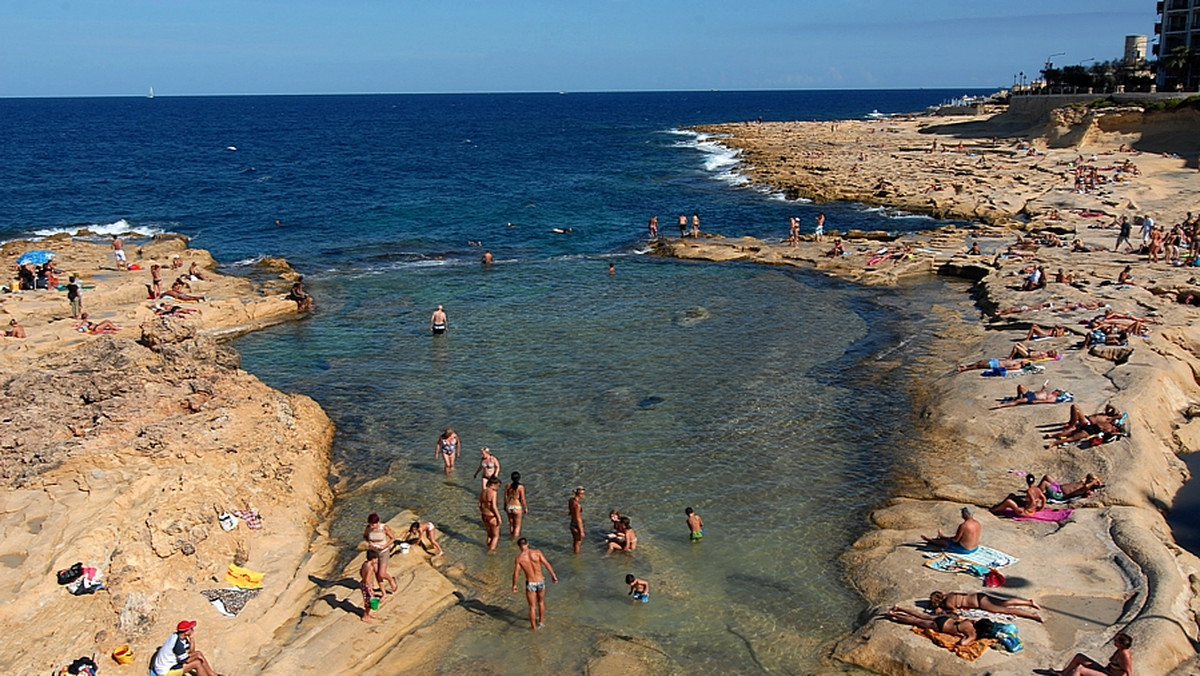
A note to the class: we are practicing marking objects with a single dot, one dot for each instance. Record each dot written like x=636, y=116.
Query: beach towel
x=250, y=516
x=969, y=653
x=1048, y=515
x=985, y=557
x=229, y=602
x=243, y=578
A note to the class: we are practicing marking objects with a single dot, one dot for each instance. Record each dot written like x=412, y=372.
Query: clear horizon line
x=158, y=95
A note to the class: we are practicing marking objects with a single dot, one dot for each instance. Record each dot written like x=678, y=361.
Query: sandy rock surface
x=120, y=451
x=1113, y=564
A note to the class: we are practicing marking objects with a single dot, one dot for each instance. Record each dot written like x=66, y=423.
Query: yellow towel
x=243, y=578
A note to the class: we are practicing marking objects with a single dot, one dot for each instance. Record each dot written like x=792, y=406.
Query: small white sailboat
x=151, y=94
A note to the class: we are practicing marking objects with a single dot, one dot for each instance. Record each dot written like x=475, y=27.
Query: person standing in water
x=575, y=513
x=515, y=505
x=488, y=464
x=530, y=561
x=639, y=589
x=437, y=321
x=695, y=524
x=487, y=258
x=447, y=448
x=489, y=513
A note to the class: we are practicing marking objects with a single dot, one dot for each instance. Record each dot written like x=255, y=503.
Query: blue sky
x=122, y=47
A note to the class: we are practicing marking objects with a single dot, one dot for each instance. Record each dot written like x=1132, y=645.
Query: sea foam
x=100, y=231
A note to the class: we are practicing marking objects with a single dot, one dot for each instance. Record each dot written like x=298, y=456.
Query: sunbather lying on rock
x=966, y=630
x=1021, y=351
x=1042, y=396
x=956, y=601
x=1036, y=332
x=103, y=326
x=993, y=364
x=1022, y=505
x=1079, y=426
x=1070, y=491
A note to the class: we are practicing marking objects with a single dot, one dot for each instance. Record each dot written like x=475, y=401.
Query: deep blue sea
x=770, y=400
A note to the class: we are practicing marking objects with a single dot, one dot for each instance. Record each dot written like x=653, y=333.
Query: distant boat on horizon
x=151, y=94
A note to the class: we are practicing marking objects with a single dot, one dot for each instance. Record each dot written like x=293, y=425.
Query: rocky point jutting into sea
x=1113, y=564
x=121, y=450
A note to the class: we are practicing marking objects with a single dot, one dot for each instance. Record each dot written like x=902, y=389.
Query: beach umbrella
x=37, y=257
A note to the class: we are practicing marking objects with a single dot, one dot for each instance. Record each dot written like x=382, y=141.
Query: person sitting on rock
x=178, y=655
x=194, y=271
x=1022, y=505
x=954, y=602
x=1120, y=664
x=304, y=302
x=966, y=538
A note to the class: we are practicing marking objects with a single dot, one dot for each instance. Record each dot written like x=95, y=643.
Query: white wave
x=100, y=230
x=247, y=262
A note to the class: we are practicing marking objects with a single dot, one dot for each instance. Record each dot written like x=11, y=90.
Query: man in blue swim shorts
x=530, y=561
x=966, y=538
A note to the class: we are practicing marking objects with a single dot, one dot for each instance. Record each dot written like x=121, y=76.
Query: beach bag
x=69, y=575
x=993, y=579
x=85, y=666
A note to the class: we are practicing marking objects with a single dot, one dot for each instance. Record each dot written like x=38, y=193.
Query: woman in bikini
x=447, y=448
x=489, y=465
x=956, y=601
x=489, y=513
x=1120, y=664
x=514, y=505
x=419, y=530
x=966, y=630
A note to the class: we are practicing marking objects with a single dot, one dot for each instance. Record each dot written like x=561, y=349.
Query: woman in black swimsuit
x=966, y=630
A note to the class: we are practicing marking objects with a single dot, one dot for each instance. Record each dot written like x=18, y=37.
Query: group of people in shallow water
x=380, y=540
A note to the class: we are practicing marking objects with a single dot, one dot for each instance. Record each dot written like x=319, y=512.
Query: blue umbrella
x=37, y=257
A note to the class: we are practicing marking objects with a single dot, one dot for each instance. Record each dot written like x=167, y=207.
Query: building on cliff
x=1177, y=41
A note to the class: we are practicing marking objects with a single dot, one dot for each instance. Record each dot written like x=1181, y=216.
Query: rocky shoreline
x=120, y=451
x=1113, y=564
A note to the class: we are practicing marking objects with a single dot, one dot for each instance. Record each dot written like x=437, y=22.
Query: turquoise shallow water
x=764, y=399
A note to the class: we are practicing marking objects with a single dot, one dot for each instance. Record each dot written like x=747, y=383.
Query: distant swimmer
x=487, y=258
x=612, y=269
x=474, y=242
x=562, y=231
x=510, y=224
x=437, y=321
x=278, y=222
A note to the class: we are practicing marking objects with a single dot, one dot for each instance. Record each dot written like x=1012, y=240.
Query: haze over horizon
x=368, y=46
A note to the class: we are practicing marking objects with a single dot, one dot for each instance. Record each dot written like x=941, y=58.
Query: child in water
x=695, y=524
x=639, y=589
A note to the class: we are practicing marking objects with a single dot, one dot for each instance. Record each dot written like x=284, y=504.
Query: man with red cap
x=178, y=656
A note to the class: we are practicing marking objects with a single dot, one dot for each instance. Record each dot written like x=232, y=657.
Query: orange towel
x=969, y=652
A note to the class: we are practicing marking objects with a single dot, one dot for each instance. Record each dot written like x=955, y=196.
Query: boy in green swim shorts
x=695, y=524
